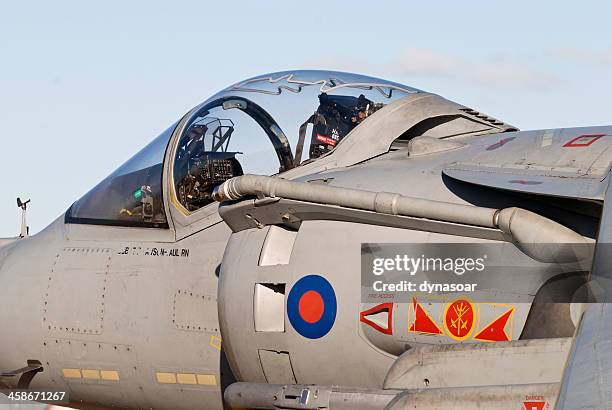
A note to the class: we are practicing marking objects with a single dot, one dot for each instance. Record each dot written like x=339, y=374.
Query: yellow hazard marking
x=166, y=378
x=91, y=374
x=215, y=341
x=207, y=379
x=186, y=378
x=72, y=373
x=111, y=375
x=547, y=138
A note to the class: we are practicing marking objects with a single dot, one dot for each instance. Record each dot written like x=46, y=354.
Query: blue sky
x=84, y=85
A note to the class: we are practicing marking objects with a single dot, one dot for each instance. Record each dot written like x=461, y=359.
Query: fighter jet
x=232, y=262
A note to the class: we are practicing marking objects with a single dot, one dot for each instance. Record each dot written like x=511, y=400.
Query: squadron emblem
x=459, y=319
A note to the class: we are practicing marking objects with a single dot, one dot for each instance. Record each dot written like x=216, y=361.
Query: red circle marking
x=311, y=306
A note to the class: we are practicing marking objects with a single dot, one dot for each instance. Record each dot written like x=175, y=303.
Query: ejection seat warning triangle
x=534, y=405
x=423, y=323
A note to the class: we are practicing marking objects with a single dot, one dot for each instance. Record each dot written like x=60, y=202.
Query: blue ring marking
x=324, y=288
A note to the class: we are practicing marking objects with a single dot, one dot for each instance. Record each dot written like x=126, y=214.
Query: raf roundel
x=311, y=306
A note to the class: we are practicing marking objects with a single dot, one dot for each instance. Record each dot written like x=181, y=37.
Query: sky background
x=85, y=85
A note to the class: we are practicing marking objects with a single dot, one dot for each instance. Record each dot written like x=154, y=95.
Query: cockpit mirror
x=230, y=104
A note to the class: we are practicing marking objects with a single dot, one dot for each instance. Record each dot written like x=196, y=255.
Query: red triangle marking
x=495, y=331
x=377, y=309
x=422, y=322
x=534, y=405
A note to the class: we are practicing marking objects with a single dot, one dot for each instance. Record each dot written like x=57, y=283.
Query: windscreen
x=130, y=196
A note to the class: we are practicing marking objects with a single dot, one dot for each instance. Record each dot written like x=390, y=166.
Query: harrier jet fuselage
x=148, y=294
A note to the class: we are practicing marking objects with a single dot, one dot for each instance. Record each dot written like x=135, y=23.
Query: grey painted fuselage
x=145, y=317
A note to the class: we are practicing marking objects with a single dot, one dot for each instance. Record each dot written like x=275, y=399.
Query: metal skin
x=293, y=230
x=144, y=318
x=74, y=301
x=338, y=239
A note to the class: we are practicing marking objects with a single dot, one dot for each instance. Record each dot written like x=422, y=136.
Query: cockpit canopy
x=264, y=125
